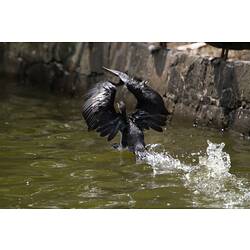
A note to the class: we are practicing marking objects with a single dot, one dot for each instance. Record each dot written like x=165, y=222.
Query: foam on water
x=210, y=180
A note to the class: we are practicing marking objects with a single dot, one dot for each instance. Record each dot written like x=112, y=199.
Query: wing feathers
x=144, y=120
x=99, y=112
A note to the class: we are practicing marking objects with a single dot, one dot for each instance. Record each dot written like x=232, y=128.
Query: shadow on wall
x=160, y=59
x=227, y=88
x=60, y=73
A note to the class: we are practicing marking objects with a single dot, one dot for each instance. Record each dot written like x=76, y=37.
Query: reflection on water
x=49, y=160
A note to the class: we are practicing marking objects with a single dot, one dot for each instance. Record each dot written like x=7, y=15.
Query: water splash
x=161, y=162
x=217, y=161
x=210, y=180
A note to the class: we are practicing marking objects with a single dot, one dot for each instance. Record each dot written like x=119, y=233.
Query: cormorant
x=226, y=46
x=100, y=114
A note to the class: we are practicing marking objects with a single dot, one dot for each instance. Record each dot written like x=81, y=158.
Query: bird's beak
x=114, y=72
x=124, y=78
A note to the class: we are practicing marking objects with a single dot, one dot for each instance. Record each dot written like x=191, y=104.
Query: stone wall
x=208, y=91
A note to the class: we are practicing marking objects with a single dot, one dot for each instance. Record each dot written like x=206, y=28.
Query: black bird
x=100, y=114
x=226, y=46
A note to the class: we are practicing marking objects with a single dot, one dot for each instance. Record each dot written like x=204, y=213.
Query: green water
x=49, y=160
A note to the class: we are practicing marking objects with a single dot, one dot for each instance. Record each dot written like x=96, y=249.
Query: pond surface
x=49, y=160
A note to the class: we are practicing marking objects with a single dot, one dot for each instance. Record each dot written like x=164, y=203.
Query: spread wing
x=145, y=120
x=151, y=111
x=99, y=112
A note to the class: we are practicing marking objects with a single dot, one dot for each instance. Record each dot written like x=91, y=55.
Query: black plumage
x=226, y=46
x=100, y=114
x=148, y=99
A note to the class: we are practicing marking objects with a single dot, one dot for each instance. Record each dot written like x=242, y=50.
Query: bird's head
x=124, y=78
